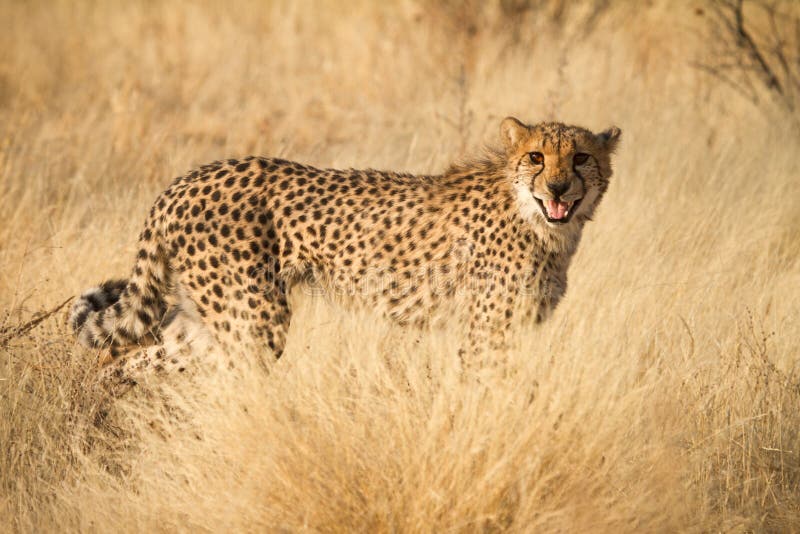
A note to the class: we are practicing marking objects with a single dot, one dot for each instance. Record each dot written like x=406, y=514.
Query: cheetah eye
x=580, y=158
x=537, y=158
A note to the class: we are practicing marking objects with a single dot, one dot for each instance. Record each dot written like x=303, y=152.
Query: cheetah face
x=559, y=172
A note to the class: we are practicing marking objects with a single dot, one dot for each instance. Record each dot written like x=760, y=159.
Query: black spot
x=144, y=317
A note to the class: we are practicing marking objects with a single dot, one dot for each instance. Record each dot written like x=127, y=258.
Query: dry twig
x=10, y=332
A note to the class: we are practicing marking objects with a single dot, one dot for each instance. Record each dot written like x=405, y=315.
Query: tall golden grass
x=664, y=394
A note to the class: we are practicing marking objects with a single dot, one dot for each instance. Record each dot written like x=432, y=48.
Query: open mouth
x=556, y=211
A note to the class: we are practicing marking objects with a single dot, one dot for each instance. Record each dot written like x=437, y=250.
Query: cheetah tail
x=122, y=313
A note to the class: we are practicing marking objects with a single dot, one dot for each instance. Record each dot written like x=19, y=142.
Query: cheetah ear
x=512, y=131
x=610, y=138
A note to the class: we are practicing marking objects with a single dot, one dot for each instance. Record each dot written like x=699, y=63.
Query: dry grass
x=664, y=394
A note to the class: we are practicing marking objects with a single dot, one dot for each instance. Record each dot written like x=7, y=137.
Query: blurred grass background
x=662, y=396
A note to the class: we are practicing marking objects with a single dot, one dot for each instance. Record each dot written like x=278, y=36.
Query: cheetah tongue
x=557, y=210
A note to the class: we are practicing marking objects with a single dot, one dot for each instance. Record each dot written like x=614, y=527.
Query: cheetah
x=223, y=245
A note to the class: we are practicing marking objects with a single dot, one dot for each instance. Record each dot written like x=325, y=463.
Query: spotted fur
x=225, y=243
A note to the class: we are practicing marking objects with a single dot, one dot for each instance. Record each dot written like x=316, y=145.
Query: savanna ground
x=664, y=395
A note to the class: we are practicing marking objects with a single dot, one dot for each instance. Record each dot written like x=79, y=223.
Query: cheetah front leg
x=551, y=290
x=491, y=312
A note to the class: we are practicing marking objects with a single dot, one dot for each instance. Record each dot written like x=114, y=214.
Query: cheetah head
x=559, y=172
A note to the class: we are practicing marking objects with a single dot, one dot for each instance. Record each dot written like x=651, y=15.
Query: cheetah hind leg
x=270, y=324
x=184, y=341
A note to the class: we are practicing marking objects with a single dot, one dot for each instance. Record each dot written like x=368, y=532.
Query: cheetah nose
x=558, y=188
